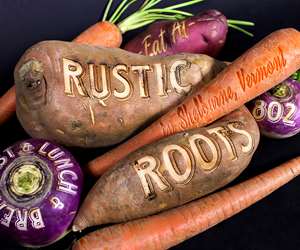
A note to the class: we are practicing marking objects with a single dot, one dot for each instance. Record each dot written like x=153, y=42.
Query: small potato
x=85, y=96
x=172, y=171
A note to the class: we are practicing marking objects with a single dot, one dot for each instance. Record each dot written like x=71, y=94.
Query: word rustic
x=105, y=80
x=203, y=152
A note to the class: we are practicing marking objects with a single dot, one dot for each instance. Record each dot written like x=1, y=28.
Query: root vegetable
x=172, y=172
x=277, y=111
x=40, y=187
x=86, y=96
x=204, y=33
x=7, y=105
x=108, y=34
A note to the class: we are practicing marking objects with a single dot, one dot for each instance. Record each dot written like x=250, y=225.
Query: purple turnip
x=277, y=111
x=204, y=33
x=40, y=187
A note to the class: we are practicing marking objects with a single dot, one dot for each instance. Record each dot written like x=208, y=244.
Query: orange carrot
x=260, y=68
x=103, y=34
x=108, y=34
x=7, y=105
x=169, y=228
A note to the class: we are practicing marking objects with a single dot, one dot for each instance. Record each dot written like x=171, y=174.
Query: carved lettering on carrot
x=190, y=117
x=167, y=129
x=262, y=72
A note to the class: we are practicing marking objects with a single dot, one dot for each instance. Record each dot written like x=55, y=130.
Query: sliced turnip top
x=40, y=187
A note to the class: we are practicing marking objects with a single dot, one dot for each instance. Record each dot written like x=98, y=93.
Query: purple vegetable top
x=40, y=187
x=277, y=111
x=204, y=33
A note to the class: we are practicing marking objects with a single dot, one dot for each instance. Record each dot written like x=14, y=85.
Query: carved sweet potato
x=86, y=96
x=172, y=171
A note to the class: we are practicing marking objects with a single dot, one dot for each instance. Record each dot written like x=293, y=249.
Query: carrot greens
x=148, y=13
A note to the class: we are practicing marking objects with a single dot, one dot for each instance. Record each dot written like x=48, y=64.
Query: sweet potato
x=79, y=95
x=171, y=172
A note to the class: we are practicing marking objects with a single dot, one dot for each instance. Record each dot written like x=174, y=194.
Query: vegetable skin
x=204, y=33
x=56, y=81
x=7, y=104
x=172, y=171
x=277, y=111
x=40, y=187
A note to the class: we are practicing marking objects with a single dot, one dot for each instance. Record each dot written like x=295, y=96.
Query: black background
x=270, y=224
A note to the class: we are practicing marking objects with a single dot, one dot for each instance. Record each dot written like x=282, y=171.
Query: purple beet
x=40, y=187
x=204, y=33
x=277, y=111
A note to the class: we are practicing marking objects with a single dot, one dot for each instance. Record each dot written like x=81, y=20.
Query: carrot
x=7, y=105
x=169, y=228
x=108, y=34
x=103, y=33
x=266, y=64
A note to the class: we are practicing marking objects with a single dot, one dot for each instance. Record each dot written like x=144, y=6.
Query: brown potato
x=172, y=171
x=79, y=95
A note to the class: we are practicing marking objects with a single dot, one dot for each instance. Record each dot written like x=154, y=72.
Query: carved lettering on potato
x=98, y=91
x=202, y=159
x=222, y=134
x=141, y=71
x=155, y=45
x=175, y=77
x=161, y=79
x=147, y=170
x=172, y=166
x=247, y=147
x=116, y=81
x=178, y=162
x=127, y=88
x=72, y=76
